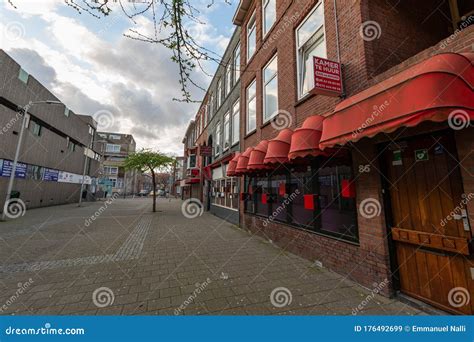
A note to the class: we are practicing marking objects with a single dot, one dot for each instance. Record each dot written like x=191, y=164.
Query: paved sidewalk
x=130, y=261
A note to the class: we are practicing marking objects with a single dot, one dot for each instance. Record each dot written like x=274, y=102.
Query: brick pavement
x=129, y=261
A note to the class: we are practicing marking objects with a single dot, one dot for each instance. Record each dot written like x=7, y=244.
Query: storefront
x=381, y=188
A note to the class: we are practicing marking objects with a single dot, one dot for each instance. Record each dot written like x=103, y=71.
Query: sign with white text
x=327, y=77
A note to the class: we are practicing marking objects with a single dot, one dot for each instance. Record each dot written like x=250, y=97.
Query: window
x=112, y=148
x=236, y=122
x=35, y=128
x=66, y=112
x=251, y=107
x=270, y=89
x=228, y=79
x=237, y=63
x=102, y=135
x=113, y=182
x=251, y=37
x=218, y=139
x=269, y=15
x=110, y=170
x=114, y=137
x=23, y=76
x=211, y=106
x=225, y=193
x=226, y=131
x=310, y=197
x=191, y=161
x=71, y=147
x=310, y=42
x=34, y=172
x=219, y=93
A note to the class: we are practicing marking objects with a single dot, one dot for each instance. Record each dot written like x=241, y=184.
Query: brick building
x=375, y=183
x=56, y=145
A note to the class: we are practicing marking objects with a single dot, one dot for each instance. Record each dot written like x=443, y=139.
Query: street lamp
x=85, y=166
x=24, y=112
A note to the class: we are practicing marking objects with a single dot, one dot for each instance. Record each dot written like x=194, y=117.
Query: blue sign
x=6, y=167
x=224, y=328
x=51, y=175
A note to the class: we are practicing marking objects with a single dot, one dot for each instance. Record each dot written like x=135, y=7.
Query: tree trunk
x=153, y=180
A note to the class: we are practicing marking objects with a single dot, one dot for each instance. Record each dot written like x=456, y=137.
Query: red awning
x=257, y=156
x=193, y=180
x=438, y=89
x=305, y=140
x=233, y=165
x=278, y=148
x=243, y=162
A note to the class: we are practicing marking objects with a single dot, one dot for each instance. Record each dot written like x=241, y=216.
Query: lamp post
x=85, y=165
x=24, y=112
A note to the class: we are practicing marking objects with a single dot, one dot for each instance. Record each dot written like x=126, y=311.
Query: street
x=118, y=258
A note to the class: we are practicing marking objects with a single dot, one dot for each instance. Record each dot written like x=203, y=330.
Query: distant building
x=178, y=176
x=116, y=147
x=55, y=146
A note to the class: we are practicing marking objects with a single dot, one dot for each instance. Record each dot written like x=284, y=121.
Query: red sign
x=327, y=77
x=206, y=150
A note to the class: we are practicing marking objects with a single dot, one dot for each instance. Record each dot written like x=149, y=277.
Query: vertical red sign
x=327, y=77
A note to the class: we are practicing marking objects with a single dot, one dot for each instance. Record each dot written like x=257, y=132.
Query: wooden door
x=431, y=235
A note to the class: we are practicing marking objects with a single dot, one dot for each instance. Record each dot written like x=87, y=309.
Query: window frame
x=228, y=79
x=251, y=23
x=218, y=133
x=265, y=83
x=311, y=40
x=237, y=59
x=35, y=128
x=219, y=93
x=248, y=100
x=226, y=135
x=114, y=150
x=265, y=4
x=235, y=138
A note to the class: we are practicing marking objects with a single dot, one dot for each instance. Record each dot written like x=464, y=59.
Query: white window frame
x=265, y=4
x=226, y=131
x=211, y=106
x=218, y=139
x=235, y=113
x=315, y=37
x=219, y=93
x=250, y=29
x=113, y=148
x=264, y=85
x=248, y=100
x=236, y=63
x=228, y=79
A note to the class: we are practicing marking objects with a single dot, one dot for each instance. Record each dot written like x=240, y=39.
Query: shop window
x=337, y=213
x=301, y=185
x=234, y=193
x=251, y=37
x=310, y=42
x=261, y=196
x=278, y=198
x=251, y=107
x=269, y=15
x=270, y=89
x=249, y=191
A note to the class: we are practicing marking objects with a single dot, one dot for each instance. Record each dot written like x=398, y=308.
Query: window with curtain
x=270, y=89
x=310, y=42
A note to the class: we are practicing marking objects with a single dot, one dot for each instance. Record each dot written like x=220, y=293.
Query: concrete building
x=192, y=165
x=115, y=147
x=56, y=143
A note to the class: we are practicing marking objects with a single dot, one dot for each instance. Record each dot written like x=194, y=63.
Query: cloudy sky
x=127, y=85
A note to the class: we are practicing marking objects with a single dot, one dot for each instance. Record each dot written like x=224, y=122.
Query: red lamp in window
x=348, y=188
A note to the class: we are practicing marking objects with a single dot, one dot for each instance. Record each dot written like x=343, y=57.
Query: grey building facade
x=56, y=144
x=223, y=134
